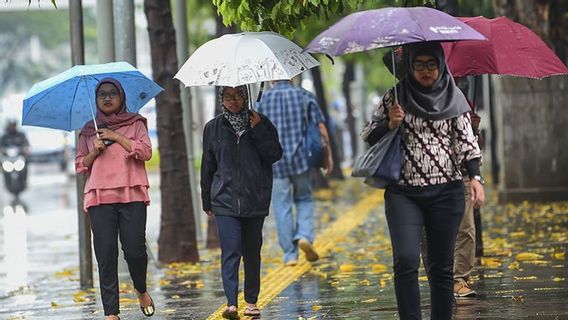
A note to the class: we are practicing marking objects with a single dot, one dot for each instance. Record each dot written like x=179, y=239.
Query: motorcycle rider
x=13, y=137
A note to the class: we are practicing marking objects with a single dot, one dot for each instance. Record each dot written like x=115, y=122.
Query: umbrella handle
x=260, y=91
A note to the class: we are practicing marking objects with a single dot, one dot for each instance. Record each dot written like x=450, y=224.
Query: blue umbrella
x=67, y=100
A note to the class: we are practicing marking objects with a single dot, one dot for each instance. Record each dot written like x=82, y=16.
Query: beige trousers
x=464, y=252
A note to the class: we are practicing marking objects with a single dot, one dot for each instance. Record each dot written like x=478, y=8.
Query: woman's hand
x=254, y=119
x=396, y=114
x=109, y=134
x=209, y=213
x=477, y=193
x=98, y=146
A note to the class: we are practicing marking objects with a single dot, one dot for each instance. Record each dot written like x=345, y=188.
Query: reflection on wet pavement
x=523, y=274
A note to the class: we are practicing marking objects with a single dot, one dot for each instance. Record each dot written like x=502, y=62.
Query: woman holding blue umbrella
x=111, y=152
x=437, y=141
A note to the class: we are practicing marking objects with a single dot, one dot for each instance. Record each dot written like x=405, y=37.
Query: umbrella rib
x=71, y=107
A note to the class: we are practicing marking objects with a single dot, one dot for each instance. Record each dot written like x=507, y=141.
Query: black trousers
x=240, y=237
x=108, y=222
x=438, y=210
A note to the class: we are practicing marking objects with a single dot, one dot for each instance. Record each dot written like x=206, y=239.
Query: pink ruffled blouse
x=116, y=176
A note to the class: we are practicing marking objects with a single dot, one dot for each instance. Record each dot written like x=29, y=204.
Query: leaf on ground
x=379, y=268
x=559, y=255
x=369, y=301
x=491, y=263
x=347, y=267
x=528, y=256
x=316, y=307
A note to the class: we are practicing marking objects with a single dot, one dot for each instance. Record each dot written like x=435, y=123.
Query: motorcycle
x=14, y=167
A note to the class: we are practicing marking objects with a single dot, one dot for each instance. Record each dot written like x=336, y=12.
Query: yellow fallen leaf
x=164, y=282
x=528, y=256
x=175, y=296
x=369, y=301
x=423, y=278
x=79, y=297
x=383, y=283
x=379, y=268
x=316, y=307
x=128, y=300
x=517, y=235
x=558, y=279
x=54, y=304
x=347, y=267
x=491, y=263
x=559, y=255
x=365, y=282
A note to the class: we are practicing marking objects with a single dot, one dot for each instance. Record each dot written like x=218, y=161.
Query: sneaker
x=306, y=246
x=291, y=263
x=462, y=289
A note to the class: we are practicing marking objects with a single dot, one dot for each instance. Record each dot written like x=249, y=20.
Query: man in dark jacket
x=239, y=148
x=13, y=137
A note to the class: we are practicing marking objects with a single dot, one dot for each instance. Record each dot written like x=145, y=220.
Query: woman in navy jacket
x=239, y=148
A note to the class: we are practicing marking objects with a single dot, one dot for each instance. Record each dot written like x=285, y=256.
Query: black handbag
x=382, y=163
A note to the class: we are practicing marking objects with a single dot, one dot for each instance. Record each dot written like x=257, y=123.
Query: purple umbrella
x=388, y=27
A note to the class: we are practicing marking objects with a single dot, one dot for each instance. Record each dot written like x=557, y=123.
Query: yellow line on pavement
x=279, y=279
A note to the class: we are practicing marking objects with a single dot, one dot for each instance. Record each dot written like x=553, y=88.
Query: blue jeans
x=296, y=190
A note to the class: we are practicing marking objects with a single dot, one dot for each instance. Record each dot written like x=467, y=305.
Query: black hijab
x=444, y=100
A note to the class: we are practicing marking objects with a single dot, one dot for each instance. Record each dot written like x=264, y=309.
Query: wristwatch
x=480, y=179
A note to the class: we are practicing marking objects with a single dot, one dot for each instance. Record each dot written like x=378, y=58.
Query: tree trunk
x=318, y=85
x=177, y=241
x=348, y=78
x=212, y=235
x=531, y=13
x=547, y=18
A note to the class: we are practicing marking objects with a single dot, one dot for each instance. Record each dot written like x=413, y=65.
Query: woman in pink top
x=116, y=192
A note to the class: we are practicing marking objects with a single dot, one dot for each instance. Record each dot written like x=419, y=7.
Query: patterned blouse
x=433, y=152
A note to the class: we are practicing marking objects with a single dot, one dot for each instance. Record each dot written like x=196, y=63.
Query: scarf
x=116, y=120
x=441, y=101
x=240, y=120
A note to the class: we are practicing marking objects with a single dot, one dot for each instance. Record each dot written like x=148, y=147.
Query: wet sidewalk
x=523, y=274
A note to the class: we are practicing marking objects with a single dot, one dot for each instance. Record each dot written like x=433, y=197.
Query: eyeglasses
x=232, y=97
x=431, y=65
x=104, y=94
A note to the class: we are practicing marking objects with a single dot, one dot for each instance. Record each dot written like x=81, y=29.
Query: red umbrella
x=511, y=49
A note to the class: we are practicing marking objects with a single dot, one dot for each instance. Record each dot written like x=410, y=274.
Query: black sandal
x=148, y=311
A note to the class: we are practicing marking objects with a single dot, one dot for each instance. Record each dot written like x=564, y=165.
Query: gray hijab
x=441, y=101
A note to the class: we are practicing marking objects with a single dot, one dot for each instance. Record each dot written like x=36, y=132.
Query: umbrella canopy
x=387, y=27
x=512, y=49
x=67, y=100
x=244, y=58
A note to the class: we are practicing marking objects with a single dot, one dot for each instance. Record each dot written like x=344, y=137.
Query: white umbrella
x=244, y=58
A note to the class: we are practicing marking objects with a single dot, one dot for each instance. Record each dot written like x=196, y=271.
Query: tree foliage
x=284, y=16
